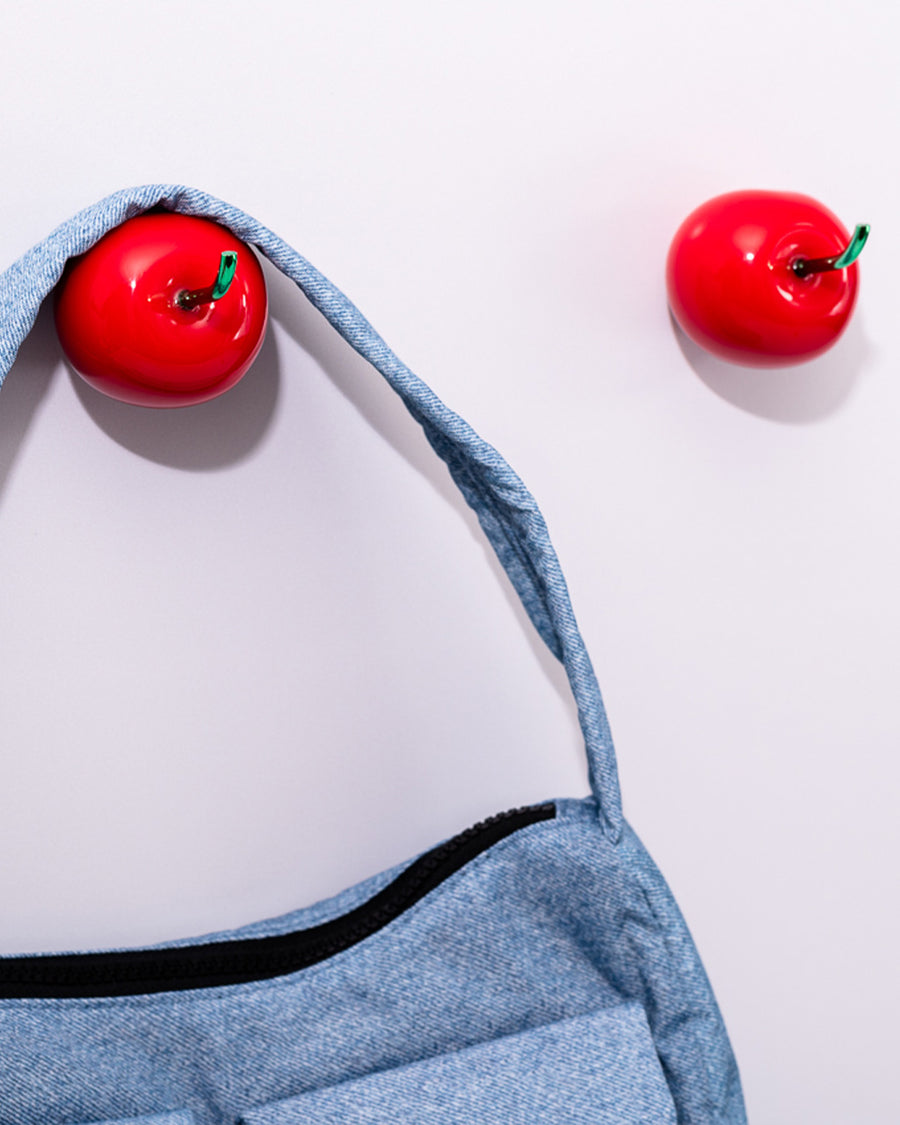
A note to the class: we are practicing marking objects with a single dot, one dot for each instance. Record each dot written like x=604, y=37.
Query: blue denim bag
x=534, y=968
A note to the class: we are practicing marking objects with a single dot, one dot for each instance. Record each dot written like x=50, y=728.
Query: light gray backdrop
x=255, y=651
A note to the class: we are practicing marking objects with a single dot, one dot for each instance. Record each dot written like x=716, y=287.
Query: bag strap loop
x=506, y=510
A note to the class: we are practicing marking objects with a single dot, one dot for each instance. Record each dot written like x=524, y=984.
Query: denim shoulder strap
x=506, y=510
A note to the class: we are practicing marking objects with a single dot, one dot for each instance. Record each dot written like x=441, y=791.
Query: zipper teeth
x=246, y=963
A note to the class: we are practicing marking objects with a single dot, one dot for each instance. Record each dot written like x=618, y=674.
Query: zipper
x=217, y=963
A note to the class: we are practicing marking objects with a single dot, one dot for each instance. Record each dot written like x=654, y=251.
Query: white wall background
x=256, y=650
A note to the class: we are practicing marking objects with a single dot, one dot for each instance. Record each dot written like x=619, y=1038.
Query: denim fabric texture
x=549, y=978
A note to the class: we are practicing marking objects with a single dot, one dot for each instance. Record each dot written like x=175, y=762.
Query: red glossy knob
x=149, y=315
x=756, y=277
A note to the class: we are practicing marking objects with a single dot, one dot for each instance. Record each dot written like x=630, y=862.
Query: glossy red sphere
x=122, y=329
x=733, y=290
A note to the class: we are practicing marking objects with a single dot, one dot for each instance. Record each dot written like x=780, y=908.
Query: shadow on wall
x=211, y=435
x=808, y=392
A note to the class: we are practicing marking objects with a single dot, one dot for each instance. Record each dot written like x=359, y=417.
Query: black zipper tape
x=211, y=964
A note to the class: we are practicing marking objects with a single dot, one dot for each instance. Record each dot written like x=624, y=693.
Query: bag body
x=534, y=968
